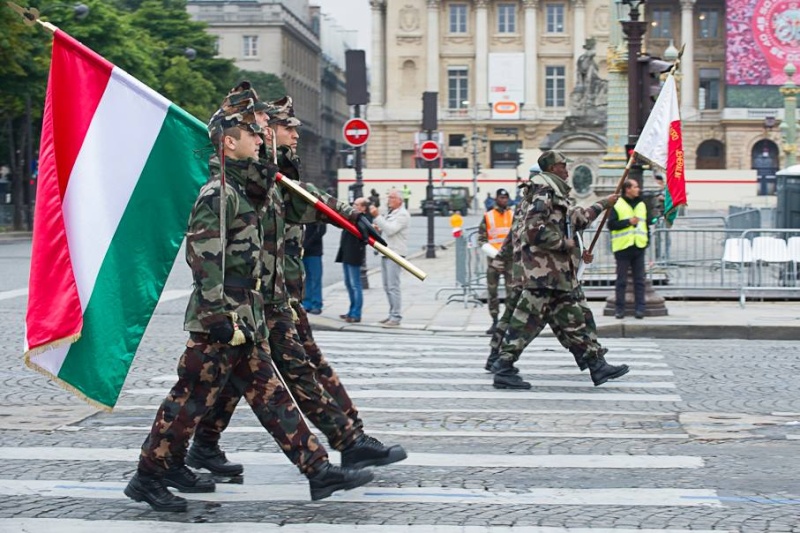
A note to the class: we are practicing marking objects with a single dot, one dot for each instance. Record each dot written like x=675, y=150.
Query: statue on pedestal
x=590, y=91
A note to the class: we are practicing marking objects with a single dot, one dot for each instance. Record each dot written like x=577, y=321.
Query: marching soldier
x=344, y=433
x=545, y=247
x=226, y=323
x=495, y=225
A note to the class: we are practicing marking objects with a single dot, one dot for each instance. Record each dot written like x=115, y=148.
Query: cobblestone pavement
x=701, y=435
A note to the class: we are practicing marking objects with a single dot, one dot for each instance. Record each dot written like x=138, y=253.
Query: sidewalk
x=424, y=313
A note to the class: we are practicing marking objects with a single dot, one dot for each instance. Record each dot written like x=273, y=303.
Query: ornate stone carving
x=409, y=18
x=481, y=4
x=687, y=5
x=501, y=39
x=409, y=39
x=377, y=4
x=530, y=4
x=433, y=4
x=459, y=40
x=601, y=18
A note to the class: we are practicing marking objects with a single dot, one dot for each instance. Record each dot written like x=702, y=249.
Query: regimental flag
x=119, y=169
x=661, y=145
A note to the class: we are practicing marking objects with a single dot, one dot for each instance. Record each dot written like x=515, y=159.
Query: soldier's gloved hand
x=367, y=230
x=221, y=331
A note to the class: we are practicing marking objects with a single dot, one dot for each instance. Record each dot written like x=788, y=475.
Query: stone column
x=688, y=89
x=531, y=55
x=481, y=55
x=579, y=23
x=433, y=46
x=377, y=74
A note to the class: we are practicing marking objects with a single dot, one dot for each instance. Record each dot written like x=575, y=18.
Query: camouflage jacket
x=285, y=209
x=246, y=190
x=540, y=236
x=294, y=272
x=505, y=254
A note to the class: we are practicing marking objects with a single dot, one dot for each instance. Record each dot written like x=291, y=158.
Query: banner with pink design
x=761, y=33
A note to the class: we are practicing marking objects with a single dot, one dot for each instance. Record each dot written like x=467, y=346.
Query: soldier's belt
x=232, y=282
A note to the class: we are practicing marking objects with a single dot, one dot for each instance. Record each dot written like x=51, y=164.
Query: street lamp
x=476, y=168
x=789, y=125
x=634, y=30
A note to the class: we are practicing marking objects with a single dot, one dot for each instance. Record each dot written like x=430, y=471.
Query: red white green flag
x=119, y=169
x=661, y=145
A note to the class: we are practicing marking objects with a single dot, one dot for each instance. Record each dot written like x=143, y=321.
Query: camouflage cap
x=550, y=158
x=281, y=112
x=237, y=109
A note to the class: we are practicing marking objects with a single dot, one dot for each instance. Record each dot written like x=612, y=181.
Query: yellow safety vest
x=497, y=226
x=622, y=239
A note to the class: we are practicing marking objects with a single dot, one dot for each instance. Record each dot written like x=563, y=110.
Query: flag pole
x=349, y=226
x=618, y=190
x=30, y=16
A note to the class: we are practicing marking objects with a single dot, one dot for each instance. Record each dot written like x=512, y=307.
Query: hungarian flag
x=119, y=170
x=661, y=145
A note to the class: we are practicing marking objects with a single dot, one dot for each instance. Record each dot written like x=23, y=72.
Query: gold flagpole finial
x=30, y=16
x=677, y=64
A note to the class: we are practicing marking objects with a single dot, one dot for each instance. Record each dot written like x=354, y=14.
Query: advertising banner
x=506, y=85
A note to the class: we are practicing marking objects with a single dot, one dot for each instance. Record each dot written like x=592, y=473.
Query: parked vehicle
x=447, y=199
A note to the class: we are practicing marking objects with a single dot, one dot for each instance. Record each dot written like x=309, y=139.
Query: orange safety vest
x=497, y=226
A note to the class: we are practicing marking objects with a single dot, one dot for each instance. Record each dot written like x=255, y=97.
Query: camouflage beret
x=282, y=112
x=237, y=109
x=550, y=158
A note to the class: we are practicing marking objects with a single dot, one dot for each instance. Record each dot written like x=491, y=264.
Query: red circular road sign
x=429, y=151
x=356, y=132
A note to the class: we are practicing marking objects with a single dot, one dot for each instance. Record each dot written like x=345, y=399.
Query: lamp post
x=789, y=91
x=476, y=167
x=634, y=29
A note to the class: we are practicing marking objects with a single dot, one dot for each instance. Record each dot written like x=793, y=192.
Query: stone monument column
x=531, y=55
x=579, y=26
x=481, y=55
x=432, y=80
x=688, y=91
x=377, y=77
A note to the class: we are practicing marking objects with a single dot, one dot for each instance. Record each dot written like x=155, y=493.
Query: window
x=709, y=88
x=555, y=18
x=660, y=25
x=456, y=139
x=458, y=18
x=709, y=24
x=555, y=86
x=506, y=18
x=457, y=87
x=250, y=43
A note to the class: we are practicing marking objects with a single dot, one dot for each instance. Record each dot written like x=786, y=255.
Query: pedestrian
x=545, y=248
x=296, y=367
x=495, y=225
x=312, y=263
x=227, y=330
x=374, y=198
x=488, y=203
x=394, y=228
x=629, y=238
x=4, y=183
x=406, y=194
x=352, y=252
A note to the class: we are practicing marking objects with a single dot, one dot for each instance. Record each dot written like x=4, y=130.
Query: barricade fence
x=710, y=260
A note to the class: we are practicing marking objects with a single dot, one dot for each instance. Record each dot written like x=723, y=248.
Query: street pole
x=430, y=249
x=634, y=29
x=358, y=192
x=475, y=171
x=789, y=91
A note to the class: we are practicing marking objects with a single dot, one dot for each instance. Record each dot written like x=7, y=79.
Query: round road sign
x=429, y=151
x=356, y=132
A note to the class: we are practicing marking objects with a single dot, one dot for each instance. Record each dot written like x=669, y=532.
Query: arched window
x=710, y=154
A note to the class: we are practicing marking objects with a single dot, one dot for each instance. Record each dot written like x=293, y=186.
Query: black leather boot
x=506, y=376
x=183, y=479
x=329, y=478
x=602, y=371
x=151, y=489
x=579, y=359
x=493, y=327
x=494, y=355
x=212, y=459
x=368, y=451
x=497, y=367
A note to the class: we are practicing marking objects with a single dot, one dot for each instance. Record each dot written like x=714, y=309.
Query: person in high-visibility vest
x=495, y=225
x=629, y=238
x=406, y=195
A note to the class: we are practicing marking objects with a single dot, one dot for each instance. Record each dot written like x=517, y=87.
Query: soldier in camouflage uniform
x=296, y=367
x=545, y=248
x=226, y=323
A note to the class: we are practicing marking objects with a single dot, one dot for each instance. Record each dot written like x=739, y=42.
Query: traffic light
x=651, y=70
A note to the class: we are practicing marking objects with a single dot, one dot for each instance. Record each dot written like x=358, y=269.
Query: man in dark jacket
x=352, y=251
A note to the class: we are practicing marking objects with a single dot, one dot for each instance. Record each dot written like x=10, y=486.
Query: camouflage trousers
x=207, y=373
x=492, y=283
x=566, y=312
x=326, y=375
x=299, y=374
x=565, y=340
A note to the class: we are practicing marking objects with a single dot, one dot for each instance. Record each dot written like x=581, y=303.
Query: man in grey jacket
x=394, y=228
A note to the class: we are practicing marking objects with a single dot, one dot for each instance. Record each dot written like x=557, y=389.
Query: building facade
x=505, y=72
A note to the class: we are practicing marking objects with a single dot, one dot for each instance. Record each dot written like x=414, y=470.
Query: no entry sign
x=356, y=132
x=429, y=151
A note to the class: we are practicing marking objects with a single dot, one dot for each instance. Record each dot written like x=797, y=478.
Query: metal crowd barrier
x=470, y=270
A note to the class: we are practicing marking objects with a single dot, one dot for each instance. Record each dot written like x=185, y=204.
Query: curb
x=12, y=237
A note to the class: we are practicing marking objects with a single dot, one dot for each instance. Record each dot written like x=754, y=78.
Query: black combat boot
x=493, y=327
x=212, y=459
x=330, y=478
x=368, y=451
x=602, y=371
x=498, y=367
x=506, y=376
x=183, y=479
x=151, y=489
x=579, y=359
x=494, y=355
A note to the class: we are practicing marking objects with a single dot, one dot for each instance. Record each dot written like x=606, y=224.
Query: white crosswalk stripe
x=413, y=389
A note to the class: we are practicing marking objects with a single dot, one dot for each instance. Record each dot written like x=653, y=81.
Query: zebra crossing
x=510, y=449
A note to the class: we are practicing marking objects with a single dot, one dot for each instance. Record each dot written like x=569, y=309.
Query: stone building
x=504, y=71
